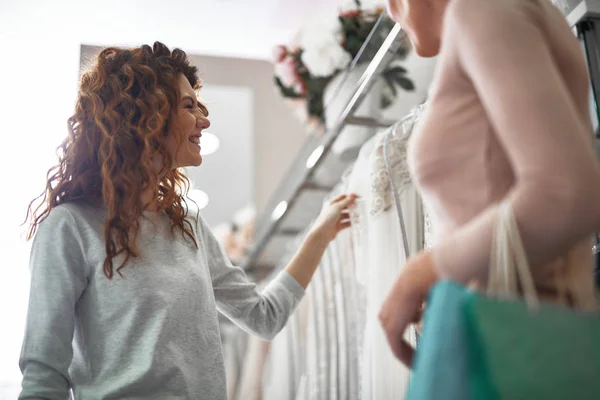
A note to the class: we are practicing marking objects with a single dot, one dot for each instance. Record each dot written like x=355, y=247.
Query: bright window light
x=279, y=210
x=200, y=197
x=209, y=143
x=314, y=157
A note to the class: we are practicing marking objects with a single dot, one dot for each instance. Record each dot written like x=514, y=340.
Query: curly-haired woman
x=125, y=285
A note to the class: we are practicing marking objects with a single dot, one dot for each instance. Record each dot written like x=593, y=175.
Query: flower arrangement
x=327, y=48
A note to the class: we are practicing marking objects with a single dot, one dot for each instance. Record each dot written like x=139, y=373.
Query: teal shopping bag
x=479, y=348
x=505, y=344
x=440, y=369
x=552, y=353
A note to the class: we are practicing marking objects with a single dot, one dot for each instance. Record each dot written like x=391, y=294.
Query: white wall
x=227, y=176
x=38, y=80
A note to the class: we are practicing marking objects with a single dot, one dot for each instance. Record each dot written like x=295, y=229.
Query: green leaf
x=286, y=91
x=390, y=84
x=353, y=45
x=397, y=69
x=315, y=107
x=385, y=101
x=405, y=83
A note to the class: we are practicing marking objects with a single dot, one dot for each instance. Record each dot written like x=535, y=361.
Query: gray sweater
x=151, y=334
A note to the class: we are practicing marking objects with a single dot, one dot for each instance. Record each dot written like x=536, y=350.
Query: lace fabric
x=382, y=197
x=379, y=257
x=381, y=188
x=428, y=233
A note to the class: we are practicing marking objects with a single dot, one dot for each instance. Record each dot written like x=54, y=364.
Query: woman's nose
x=202, y=122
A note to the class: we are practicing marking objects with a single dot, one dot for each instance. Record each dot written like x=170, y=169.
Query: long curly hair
x=122, y=117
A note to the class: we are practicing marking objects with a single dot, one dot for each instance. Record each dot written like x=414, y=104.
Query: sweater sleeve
x=57, y=268
x=262, y=313
x=505, y=53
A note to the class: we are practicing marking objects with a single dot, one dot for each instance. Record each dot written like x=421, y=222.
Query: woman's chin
x=197, y=162
x=194, y=161
x=426, y=49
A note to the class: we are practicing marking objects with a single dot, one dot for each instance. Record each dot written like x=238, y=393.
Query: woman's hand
x=334, y=217
x=404, y=302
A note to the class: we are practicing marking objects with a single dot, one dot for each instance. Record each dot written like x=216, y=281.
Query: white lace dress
x=334, y=341
x=380, y=250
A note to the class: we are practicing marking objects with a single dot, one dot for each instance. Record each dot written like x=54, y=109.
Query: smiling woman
x=116, y=203
x=136, y=114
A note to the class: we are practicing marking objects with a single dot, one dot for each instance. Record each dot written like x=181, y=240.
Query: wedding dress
x=379, y=247
x=333, y=347
x=250, y=383
x=234, y=348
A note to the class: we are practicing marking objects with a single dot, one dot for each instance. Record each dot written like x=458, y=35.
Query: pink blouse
x=508, y=115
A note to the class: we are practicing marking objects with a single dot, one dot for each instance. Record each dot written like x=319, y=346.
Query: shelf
x=316, y=169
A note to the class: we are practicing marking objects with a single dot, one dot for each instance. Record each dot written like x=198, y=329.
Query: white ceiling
x=233, y=28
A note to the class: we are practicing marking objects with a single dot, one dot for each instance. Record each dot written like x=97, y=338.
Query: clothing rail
x=299, y=177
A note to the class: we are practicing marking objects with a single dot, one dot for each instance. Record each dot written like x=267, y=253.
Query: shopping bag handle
x=508, y=264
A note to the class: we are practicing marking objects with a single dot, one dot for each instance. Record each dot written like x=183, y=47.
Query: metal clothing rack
x=315, y=171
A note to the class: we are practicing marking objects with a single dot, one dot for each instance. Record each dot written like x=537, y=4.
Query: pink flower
x=350, y=14
x=279, y=53
x=286, y=72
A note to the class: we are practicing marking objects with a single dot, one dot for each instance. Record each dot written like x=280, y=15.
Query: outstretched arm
x=265, y=313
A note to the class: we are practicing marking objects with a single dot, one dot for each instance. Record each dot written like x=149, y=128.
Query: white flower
x=322, y=53
x=347, y=6
x=325, y=59
x=371, y=5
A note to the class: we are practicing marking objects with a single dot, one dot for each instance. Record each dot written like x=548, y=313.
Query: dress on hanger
x=250, y=383
x=338, y=346
x=380, y=256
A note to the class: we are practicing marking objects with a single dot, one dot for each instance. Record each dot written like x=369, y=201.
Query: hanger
x=395, y=192
x=413, y=115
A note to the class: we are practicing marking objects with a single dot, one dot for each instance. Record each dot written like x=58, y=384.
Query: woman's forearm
x=307, y=258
